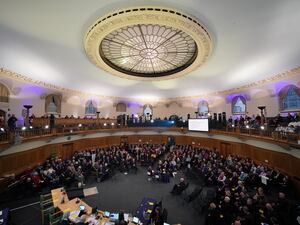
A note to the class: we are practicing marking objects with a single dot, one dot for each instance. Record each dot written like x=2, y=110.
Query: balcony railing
x=77, y=126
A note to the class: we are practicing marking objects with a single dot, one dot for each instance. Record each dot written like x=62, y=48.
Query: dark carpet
x=121, y=192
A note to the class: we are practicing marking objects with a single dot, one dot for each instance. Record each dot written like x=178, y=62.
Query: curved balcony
x=41, y=128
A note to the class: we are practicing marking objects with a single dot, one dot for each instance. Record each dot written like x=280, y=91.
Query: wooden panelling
x=18, y=162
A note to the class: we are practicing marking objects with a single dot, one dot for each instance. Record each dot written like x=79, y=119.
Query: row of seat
x=50, y=214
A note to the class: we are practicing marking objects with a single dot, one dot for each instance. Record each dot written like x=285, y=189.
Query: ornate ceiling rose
x=147, y=43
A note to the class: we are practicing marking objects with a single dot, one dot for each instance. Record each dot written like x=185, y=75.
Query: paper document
x=126, y=216
x=264, y=179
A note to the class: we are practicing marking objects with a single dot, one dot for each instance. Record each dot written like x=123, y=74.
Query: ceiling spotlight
x=232, y=125
x=262, y=127
x=152, y=121
x=2, y=129
x=104, y=124
x=71, y=131
x=47, y=126
x=30, y=127
x=247, y=126
x=80, y=125
x=112, y=124
x=208, y=114
x=23, y=128
x=183, y=121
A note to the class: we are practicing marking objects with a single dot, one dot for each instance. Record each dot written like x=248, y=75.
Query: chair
x=46, y=197
x=210, y=194
x=194, y=194
x=180, y=189
x=46, y=205
x=55, y=218
x=45, y=214
x=135, y=169
x=185, y=188
x=157, y=177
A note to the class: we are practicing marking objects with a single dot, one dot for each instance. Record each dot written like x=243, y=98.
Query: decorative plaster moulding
x=148, y=43
x=22, y=78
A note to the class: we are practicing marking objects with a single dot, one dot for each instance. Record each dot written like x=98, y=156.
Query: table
x=4, y=216
x=103, y=220
x=145, y=208
x=72, y=206
x=57, y=195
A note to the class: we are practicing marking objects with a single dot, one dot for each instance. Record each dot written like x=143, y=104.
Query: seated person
x=82, y=220
x=150, y=172
x=178, y=188
x=65, y=219
x=121, y=220
x=156, y=216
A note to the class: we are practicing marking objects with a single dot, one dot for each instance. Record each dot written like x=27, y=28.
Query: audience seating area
x=230, y=190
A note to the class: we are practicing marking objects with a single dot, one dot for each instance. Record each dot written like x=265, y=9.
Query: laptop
x=94, y=210
x=114, y=217
x=135, y=220
x=106, y=214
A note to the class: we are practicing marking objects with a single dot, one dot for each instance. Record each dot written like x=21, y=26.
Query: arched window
x=90, y=108
x=290, y=98
x=238, y=105
x=148, y=110
x=53, y=104
x=4, y=93
x=121, y=107
x=203, y=108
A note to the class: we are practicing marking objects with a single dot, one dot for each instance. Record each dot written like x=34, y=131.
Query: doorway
x=171, y=140
x=225, y=148
x=2, y=118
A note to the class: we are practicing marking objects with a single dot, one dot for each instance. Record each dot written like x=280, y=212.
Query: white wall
x=75, y=105
x=160, y=110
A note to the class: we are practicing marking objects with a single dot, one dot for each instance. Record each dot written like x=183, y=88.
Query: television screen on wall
x=198, y=124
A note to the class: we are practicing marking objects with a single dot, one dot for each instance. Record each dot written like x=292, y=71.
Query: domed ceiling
x=199, y=46
x=148, y=43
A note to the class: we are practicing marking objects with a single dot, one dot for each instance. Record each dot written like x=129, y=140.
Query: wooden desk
x=73, y=205
x=68, y=205
x=57, y=195
x=103, y=220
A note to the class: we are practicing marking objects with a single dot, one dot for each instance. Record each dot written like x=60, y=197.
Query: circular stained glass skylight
x=148, y=50
x=147, y=43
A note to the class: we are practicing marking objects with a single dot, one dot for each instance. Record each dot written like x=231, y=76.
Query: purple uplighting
x=230, y=97
x=33, y=89
x=279, y=85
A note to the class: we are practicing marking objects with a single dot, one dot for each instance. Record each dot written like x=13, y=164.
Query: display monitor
x=114, y=216
x=135, y=220
x=198, y=124
x=106, y=214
